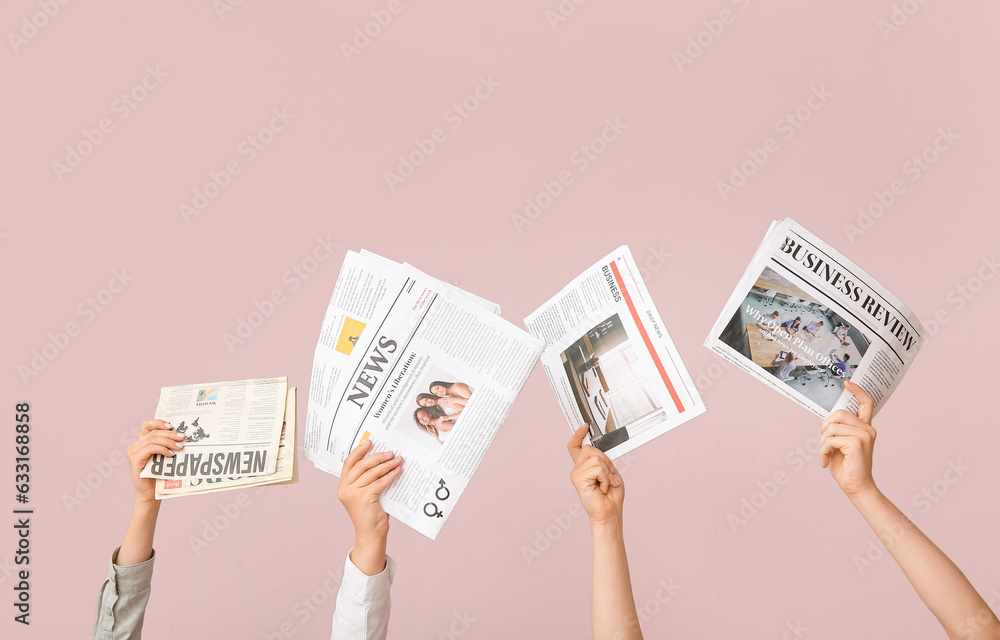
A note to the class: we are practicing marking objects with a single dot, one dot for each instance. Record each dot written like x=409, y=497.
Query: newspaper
x=421, y=369
x=232, y=429
x=804, y=318
x=610, y=360
x=285, y=471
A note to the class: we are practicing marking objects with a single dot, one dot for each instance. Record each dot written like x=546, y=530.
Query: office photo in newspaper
x=431, y=376
x=285, y=471
x=610, y=360
x=804, y=318
x=232, y=429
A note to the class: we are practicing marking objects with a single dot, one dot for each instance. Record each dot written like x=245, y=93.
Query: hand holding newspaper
x=610, y=359
x=285, y=471
x=421, y=369
x=232, y=428
x=804, y=318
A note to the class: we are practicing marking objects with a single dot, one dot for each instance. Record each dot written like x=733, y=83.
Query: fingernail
x=366, y=443
x=615, y=481
x=400, y=458
x=181, y=444
x=170, y=453
x=388, y=455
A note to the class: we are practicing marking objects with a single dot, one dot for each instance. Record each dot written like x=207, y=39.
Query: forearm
x=138, y=543
x=614, y=615
x=939, y=583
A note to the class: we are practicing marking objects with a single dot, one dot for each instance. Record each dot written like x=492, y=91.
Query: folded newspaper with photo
x=232, y=429
x=430, y=374
x=610, y=360
x=285, y=471
x=804, y=318
x=360, y=287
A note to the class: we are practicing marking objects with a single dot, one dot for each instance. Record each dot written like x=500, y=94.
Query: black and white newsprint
x=804, y=318
x=420, y=368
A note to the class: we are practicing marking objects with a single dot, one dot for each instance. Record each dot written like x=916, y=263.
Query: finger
x=366, y=463
x=596, y=472
x=848, y=430
x=356, y=454
x=844, y=444
x=575, y=444
x=145, y=453
x=377, y=471
x=152, y=425
x=866, y=406
x=594, y=452
x=379, y=485
x=167, y=441
x=850, y=420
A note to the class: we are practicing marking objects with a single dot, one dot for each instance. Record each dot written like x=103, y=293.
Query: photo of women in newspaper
x=611, y=387
x=435, y=411
x=798, y=340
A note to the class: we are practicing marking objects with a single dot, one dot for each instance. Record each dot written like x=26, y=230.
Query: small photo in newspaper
x=804, y=318
x=433, y=409
x=610, y=360
x=615, y=393
x=797, y=339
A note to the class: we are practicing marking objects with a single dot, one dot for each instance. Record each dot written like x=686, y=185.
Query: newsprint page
x=420, y=368
x=804, y=318
x=610, y=360
x=232, y=429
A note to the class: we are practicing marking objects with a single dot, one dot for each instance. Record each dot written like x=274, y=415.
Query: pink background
x=655, y=188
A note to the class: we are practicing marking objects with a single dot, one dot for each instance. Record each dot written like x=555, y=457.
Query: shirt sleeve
x=363, y=603
x=122, y=602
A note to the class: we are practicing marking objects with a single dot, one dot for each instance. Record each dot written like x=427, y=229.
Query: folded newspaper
x=804, y=318
x=232, y=428
x=610, y=360
x=420, y=368
x=285, y=472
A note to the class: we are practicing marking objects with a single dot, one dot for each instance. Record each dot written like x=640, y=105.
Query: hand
x=155, y=436
x=596, y=480
x=847, y=443
x=362, y=480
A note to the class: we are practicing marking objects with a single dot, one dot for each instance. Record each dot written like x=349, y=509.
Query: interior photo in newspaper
x=610, y=360
x=232, y=428
x=430, y=375
x=285, y=471
x=804, y=318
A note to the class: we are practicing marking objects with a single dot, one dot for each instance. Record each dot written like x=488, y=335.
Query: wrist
x=145, y=507
x=610, y=528
x=368, y=554
x=866, y=498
